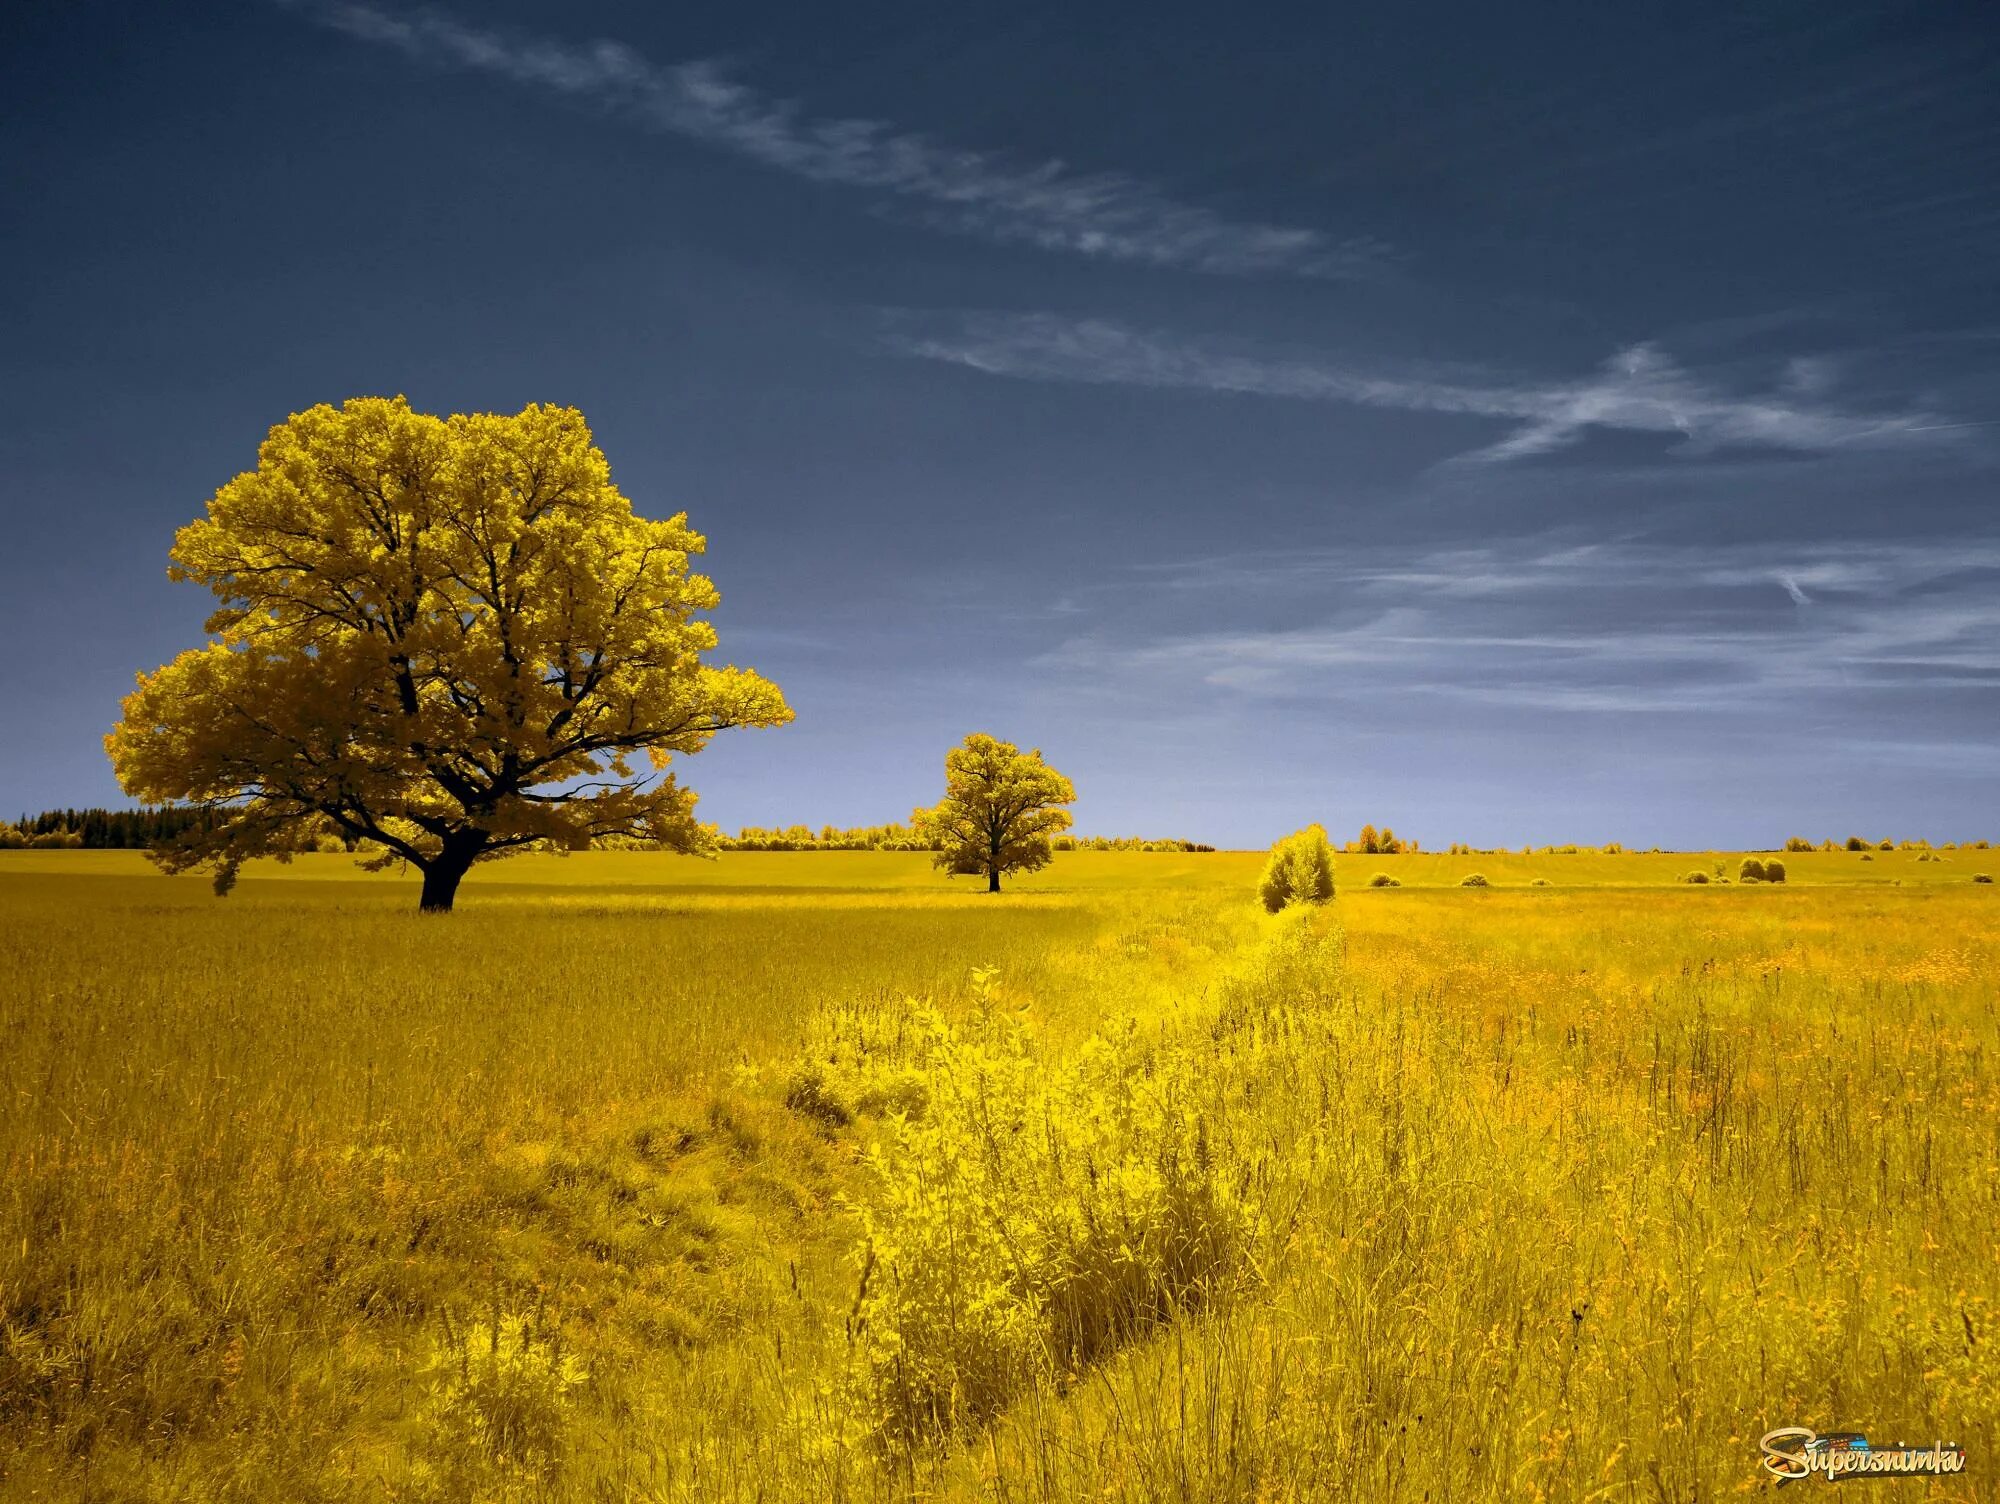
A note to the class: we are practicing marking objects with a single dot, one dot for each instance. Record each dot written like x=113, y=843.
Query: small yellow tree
x=1300, y=870
x=1001, y=811
x=446, y=637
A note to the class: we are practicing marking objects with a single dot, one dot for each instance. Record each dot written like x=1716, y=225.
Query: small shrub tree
x=1383, y=880
x=1982, y=877
x=1696, y=876
x=1474, y=880
x=1774, y=871
x=1300, y=870
x=1751, y=870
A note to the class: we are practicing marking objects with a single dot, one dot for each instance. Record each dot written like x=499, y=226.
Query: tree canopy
x=1299, y=870
x=446, y=638
x=1002, y=809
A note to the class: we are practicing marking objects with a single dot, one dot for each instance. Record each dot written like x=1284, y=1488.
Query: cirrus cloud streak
x=1051, y=205
x=1783, y=630
x=1640, y=389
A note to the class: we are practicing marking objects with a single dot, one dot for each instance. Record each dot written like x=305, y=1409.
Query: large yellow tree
x=1001, y=809
x=440, y=638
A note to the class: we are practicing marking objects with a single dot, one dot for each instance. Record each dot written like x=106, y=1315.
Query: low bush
x=13, y=838
x=1040, y=1209
x=1383, y=880
x=1474, y=880
x=1300, y=870
x=1982, y=877
x=1540, y=882
x=1696, y=876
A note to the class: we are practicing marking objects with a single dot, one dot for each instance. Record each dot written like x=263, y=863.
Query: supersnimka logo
x=1792, y=1453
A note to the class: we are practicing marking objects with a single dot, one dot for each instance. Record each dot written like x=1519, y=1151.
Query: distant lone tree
x=446, y=638
x=1001, y=812
x=1299, y=870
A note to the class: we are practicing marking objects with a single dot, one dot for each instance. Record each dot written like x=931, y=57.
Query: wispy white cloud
x=1565, y=569
x=1620, y=626
x=1638, y=390
x=1049, y=204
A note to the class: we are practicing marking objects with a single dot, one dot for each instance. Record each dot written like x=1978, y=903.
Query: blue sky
x=1570, y=422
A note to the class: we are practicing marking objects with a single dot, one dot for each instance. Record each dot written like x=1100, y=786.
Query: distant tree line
x=890, y=837
x=1126, y=843
x=1862, y=843
x=139, y=829
x=896, y=837
x=103, y=829
x=98, y=829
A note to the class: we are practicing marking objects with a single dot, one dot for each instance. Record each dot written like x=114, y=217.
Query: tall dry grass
x=1607, y=1188
x=1108, y=1191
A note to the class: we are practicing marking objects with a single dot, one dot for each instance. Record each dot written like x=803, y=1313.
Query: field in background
x=852, y=871
x=1565, y=1193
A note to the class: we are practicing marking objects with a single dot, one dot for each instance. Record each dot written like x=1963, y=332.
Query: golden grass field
x=816, y=1177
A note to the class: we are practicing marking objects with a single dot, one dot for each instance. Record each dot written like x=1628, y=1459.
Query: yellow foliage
x=1002, y=808
x=447, y=637
x=1030, y=1210
x=1299, y=870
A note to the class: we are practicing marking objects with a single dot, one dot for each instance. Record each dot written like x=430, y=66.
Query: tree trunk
x=992, y=879
x=440, y=887
x=441, y=877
